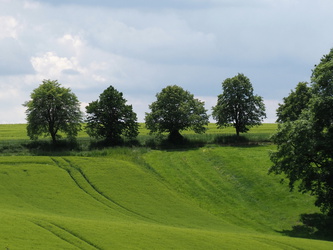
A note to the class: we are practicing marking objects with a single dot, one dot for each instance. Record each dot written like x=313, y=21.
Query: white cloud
x=140, y=104
x=152, y=37
x=210, y=101
x=52, y=66
x=13, y=115
x=83, y=106
x=8, y=93
x=11, y=100
x=138, y=4
x=31, y=5
x=71, y=44
x=271, y=106
x=14, y=59
x=9, y=27
x=140, y=47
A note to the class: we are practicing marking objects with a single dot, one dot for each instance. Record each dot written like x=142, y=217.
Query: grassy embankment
x=209, y=197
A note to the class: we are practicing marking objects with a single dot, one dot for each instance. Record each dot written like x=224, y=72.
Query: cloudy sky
x=141, y=46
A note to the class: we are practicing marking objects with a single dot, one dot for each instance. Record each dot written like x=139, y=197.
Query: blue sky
x=141, y=46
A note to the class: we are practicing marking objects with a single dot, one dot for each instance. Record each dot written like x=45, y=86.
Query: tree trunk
x=52, y=133
x=175, y=136
x=54, y=138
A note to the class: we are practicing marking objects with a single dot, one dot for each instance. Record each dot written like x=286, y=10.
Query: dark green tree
x=175, y=110
x=237, y=106
x=53, y=109
x=294, y=104
x=305, y=146
x=110, y=117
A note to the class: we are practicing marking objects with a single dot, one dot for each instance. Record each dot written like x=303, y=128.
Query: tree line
x=304, y=138
x=54, y=109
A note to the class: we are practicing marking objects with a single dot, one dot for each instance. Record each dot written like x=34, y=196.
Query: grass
x=217, y=135
x=232, y=183
x=14, y=140
x=207, y=197
x=136, y=198
x=9, y=132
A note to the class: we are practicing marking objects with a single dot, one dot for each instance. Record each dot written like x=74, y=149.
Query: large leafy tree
x=305, y=146
x=175, y=110
x=110, y=117
x=53, y=109
x=237, y=106
x=294, y=104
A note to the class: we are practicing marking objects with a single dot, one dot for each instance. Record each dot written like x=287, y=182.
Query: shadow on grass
x=181, y=143
x=66, y=147
x=237, y=141
x=62, y=147
x=190, y=142
x=9, y=149
x=102, y=144
x=231, y=139
x=313, y=226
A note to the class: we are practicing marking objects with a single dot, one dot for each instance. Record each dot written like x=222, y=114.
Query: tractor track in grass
x=81, y=180
x=67, y=235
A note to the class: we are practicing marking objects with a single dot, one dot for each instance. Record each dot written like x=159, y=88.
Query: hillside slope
x=233, y=184
x=207, y=198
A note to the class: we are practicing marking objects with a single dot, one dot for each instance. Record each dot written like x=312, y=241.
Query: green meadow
x=12, y=135
x=206, y=197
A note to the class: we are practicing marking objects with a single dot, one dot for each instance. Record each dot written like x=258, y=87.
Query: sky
x=141, y=46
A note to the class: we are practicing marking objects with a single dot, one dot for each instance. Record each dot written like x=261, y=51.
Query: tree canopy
x=295, y=103
x=305, y=146
x=53, y=109
x=175, y=110
x=110, y=117
x=237, y=106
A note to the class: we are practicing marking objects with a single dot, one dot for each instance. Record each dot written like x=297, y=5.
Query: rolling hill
x=134, y=198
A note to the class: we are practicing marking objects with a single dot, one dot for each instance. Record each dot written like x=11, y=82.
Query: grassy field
x=18, y=131
x=209, y=197
x=13, y=137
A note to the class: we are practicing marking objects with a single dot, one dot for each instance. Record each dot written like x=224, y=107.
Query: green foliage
x=304, y=146
x=175, y=110
x=322, y=75
x=53, y=109
x=110, y=117
x=294, y=104
x=237, y=106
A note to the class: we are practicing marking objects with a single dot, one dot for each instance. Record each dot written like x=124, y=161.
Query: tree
x=175, y=110
x=110, y=117
x=237, y=106
x=305, y=146
x=53, y=109
x=294, y=104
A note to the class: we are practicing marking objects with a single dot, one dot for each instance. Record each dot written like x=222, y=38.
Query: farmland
x=12, y=135
x=206, y=197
